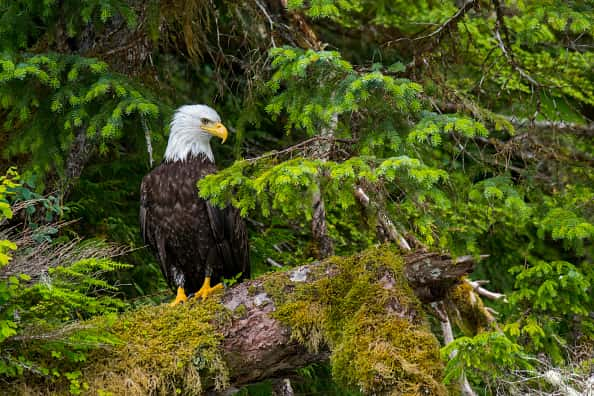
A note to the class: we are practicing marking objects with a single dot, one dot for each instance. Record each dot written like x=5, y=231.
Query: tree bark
x=258, y=346
x=319, y=228
x=81, y=151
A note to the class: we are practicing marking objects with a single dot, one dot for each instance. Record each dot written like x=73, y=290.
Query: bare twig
x=468, y=258
x=147, y=137
x=273, y=263
x=512, y=62
x=448, y=337
x=261, y=6
x=562, y=126
x=452, y=20
x=444, y=27
x=55, y=335
x=507, y=52
x=484, y=292
x=277, y=248
x=34, y=258
x=299, y=146
x=384, y=221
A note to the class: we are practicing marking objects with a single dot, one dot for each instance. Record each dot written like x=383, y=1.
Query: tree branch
x=308, y=144
x=443, y=28
x=507, y=52
x=386, y=225
x=476, y=285
x=586, y=130
x=448, y=337
x=252, y=334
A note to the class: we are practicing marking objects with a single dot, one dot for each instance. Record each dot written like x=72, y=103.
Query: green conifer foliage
x=23, y=22
x=40, y=332
x=50, y=98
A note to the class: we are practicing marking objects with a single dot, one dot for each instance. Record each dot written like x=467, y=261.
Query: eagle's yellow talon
x=180, y=298
x=206, y=290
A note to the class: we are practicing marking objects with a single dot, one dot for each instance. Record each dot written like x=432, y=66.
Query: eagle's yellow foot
x=206, y=290
x=180, y=298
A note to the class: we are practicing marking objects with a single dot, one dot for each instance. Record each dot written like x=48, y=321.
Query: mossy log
x=361, y=313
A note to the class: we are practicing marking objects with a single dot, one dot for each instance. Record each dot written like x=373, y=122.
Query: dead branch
x=273, y=263
x=476, y=285
x=147, y=138
x=386, y=225
x=507, y=51
x=586, y=130
x=263, y=8
x=256, y=344
x=438, y=33
x=302, y=147
x=35, y=255
x=59, y=334
x=448, y=337
x=416, y=261
x=443, y=28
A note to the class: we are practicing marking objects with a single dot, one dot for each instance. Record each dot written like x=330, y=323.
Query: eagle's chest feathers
x=177, y=204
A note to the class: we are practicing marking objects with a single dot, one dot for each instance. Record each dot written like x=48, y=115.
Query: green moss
x=276, y=285
x=369, y=317
x=252, y=290
x=466, y=309
x=306, y=320
x=240, y=311
x=164, y=350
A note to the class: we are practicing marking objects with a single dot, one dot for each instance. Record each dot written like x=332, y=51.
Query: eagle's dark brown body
x=190, y=237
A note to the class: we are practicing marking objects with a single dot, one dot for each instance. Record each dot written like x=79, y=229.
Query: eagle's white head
x=192, y=128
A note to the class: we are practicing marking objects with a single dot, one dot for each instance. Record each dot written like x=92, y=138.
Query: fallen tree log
x=361, y=312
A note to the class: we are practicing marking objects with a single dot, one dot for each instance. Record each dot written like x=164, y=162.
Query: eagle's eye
x=205, y=121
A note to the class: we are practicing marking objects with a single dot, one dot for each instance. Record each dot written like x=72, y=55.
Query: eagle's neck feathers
x=186, y=140
x=187, y=145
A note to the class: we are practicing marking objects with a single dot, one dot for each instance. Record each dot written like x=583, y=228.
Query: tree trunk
x=81, y=151
x=319, y=228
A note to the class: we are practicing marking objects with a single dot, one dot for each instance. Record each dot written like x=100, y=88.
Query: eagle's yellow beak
x=217, y=129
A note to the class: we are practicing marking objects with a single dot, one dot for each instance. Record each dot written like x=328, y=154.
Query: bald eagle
x=194, y=241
